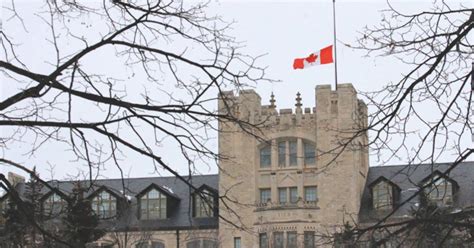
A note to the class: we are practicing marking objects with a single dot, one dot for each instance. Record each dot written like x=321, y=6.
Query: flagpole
x=335, y=48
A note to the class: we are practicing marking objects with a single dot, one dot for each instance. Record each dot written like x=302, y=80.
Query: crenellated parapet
x=247, y=105
x=292, y=175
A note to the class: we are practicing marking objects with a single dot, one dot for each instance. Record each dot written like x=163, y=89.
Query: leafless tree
x=427, y=114
x=118, y=79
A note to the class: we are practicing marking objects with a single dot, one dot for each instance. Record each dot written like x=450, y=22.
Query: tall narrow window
x=282, y=195
x=309, y=154
x=53, y=205
x=104, y=205
x=263, y=240
x=237, y=242
x=265, y=195
x=293, y=194
x=203, y=204
x=309, y=239
x=282, y=154
x=265, y=157
x=278, y=240
x=293, y=153
x=153, y=205
x=310, y=194
x=382, y=196
x=291, y=240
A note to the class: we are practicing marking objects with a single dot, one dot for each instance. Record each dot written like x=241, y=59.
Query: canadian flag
x=321, y=57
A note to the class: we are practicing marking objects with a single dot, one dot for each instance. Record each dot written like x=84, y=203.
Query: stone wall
x=334, y=126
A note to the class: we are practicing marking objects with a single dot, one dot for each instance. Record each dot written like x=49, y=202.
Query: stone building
x=293, y=182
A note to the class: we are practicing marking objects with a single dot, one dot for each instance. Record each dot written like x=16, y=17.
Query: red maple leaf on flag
x=312, y=58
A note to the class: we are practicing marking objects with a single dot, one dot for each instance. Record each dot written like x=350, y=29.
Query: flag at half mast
x=321, y=57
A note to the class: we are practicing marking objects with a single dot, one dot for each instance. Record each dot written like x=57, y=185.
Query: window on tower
x=263, y=240
x=293, y=194
x=265, y=157
x=310, y=194
x=265, y=195
x=309, y=154
x=288, y=153
x=282, y=154
x=278, y=240
x=293, y=153
x=282, y=196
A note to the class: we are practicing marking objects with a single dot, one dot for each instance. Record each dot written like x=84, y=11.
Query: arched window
x=265, y=157
x=203, y=204
x=153, y=205
x=150, y=244
x=105, y=205
x=382, y=195
x=53, y=205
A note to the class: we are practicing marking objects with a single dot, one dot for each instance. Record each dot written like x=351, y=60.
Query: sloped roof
x=181, y=213
x=408, y=179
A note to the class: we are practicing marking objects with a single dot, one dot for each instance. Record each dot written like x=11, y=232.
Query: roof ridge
x=129, y=178
x=422, y=164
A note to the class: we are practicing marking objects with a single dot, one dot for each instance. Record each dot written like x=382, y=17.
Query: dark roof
x=408, y=179
x=180, y=214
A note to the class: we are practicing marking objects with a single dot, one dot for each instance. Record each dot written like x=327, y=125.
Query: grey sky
x=282, y=30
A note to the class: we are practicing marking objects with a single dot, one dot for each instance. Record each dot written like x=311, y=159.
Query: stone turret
x=296, y=158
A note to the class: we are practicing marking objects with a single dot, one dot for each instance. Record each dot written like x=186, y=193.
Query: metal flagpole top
x=335, y=48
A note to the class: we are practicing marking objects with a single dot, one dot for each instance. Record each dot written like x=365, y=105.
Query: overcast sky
x=282, y=31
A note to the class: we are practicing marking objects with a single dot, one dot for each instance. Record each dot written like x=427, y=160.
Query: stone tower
x=289, y=180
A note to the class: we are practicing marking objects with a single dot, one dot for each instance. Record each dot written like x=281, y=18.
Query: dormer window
x=385, y=194
x=439, y=190
x=53, y=205
x=204, y=203
x=265, y=157
x=104, y=205
x=153, y=205
x=382, y=196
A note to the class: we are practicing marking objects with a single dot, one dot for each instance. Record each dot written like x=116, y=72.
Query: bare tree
x=118, y=79
x=427, y=114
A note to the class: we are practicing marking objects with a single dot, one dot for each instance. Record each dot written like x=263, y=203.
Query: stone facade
x=338, y=174
x=293, y=176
